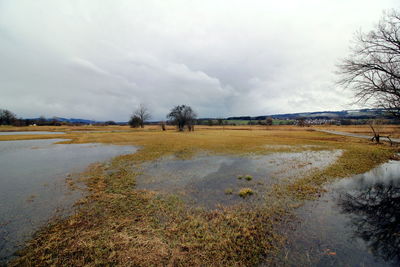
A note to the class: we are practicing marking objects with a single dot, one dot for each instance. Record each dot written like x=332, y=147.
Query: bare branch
x=373, y=68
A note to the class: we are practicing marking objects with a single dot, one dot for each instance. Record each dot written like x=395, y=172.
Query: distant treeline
x=308, y=121
x=9, y=118
x=360, y=114
x=243, y=121
x=313, y=118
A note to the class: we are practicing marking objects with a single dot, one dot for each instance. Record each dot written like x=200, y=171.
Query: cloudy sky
x=101, y=59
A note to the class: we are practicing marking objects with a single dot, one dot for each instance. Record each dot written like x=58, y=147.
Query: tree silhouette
x=373, y=68
x=376, y=217
x=140, y=116
x=182, y=116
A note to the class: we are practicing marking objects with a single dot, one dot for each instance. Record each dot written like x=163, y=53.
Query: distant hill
x=76, y=121
x=344, y=114
x=325, y=115
x=73, y=120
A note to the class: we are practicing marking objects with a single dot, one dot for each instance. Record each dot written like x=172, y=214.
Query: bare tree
x=163, y=126
x=301, y=122
x=41, y=121
x=268, y=121
x=372, y=69
x=376, y=126
x=7, y=117
x=134, y=121
x=141, y=115
x=220, y=122
x=182, y=116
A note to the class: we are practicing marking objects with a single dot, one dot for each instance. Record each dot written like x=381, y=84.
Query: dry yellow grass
x=115, y=224
x=391, y=130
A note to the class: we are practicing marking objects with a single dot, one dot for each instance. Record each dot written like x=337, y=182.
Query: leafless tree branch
x=373, y=68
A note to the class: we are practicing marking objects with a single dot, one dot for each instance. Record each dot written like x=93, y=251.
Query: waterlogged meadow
x=209, y=197
x=212, y=180
x=36, y=184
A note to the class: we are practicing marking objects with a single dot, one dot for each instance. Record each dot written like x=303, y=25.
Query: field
x=117, y=224
x=391, y=130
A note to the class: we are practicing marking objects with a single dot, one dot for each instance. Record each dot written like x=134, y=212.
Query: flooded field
x=29, y=133
x=33, y=187
x=143, y=209
x=357, y=223
x=210, y=180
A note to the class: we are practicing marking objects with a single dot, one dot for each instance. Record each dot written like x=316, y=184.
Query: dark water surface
x=357, y=223
x=209, y=180
x=33, y=186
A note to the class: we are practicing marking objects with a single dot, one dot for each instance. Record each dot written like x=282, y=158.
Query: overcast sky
x=101, y=59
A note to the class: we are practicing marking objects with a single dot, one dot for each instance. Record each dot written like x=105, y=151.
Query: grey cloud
x=100, y=59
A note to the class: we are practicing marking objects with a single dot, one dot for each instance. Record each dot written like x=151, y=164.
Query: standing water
x=32, y=184
x=213, y=180
x=29, y=133
x=356, y=224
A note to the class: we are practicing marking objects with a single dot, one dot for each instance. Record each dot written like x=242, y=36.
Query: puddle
x=210, y=180
x=33, y=186
x=29, y=133
x=356, y=224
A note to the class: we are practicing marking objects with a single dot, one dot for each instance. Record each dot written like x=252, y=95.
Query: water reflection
x=375, y=216
x=357, y=223
x=33, y=187
x=205, y=179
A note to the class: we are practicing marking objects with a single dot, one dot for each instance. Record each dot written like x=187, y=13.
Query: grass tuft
x=228, y=191
x=248, y=177
x=245, y=192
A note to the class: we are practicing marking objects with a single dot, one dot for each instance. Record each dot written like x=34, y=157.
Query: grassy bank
x=116, y=224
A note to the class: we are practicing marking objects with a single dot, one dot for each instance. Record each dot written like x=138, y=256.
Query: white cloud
x=100, y=59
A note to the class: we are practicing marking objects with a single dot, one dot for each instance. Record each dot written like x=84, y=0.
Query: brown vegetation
x=390, y=130
x=115, y=224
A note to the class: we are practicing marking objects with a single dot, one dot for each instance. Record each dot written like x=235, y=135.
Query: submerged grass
x=248, y=177
x=116, y=224
x=245, y=192
x=229, y=191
